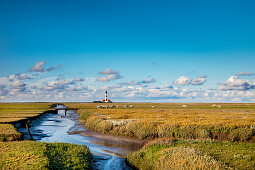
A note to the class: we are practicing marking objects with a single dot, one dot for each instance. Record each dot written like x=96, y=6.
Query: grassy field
x=37, y=155
x=232, y=122
x=197, y=137
x=193, y=154
x=14, y=112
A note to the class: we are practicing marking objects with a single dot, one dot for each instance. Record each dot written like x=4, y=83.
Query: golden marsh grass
x=231, y=121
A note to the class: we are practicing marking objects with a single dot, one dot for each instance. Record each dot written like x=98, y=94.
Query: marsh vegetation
x=198, y=136
x=35, y=155
x=38, y=155
x=232, y=122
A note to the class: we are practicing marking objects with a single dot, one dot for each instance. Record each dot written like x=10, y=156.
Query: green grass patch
x=194, y=154
x=37, y=155
x=9, y=133
x=70, y=156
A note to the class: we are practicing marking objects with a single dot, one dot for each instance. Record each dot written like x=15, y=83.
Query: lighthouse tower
x=105, y=98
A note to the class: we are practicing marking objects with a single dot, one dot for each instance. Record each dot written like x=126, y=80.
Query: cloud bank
x=52, y=87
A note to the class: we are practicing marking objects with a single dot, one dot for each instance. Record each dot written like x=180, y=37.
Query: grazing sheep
x=184, y=106
x=214, y=105
x=219, y=106
x=131, y=106
x=153, y=106
x=126, y=106
x=117, y=106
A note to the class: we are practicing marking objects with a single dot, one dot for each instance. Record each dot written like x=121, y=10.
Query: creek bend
x=108, y=151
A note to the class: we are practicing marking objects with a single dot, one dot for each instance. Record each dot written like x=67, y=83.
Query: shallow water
x=107, y=151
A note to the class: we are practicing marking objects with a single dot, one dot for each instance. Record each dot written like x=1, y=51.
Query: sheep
x=219, y=106
x=153, y=106
x=99, y=106
x=184, y=106
x=214, y=105
x=126, y=106
x=131, y=106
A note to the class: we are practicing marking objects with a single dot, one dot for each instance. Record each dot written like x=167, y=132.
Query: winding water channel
x=108, y=151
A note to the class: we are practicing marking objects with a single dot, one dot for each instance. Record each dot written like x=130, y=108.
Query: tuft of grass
x=9, y=133
x=187, y=158
x=143, y=130
x=23, y=155
x=38, y=155
x=99, y=125
x=168, y=153
x=68, y=156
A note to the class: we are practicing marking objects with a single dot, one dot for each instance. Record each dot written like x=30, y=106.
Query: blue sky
x=153, y=51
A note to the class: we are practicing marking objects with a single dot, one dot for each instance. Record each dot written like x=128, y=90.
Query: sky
x=139, y=51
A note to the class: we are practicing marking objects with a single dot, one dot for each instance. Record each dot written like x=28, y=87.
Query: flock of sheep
x=112, y=106
x=131, y=106
x=213, y=105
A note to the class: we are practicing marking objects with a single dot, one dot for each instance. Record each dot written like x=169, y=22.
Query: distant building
x=105, y=98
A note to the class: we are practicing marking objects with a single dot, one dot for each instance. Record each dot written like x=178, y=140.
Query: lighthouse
x=106, y=99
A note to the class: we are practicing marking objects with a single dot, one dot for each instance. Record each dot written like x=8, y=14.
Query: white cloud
x=110, y=74
x=131, y=83
x=150, y=80
x=38, y=67
x=182, y=81
x=199, y=81
x=19, y=77
x=235, y=83
x=79, y=79
x=136, y=82
x=18, y=86
x=53, y=68
x=245, y=74
x=109, y=71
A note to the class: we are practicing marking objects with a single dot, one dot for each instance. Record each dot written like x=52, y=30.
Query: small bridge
x=65, y=109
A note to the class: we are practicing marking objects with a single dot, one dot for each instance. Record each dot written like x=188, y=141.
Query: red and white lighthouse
x=105, y=98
